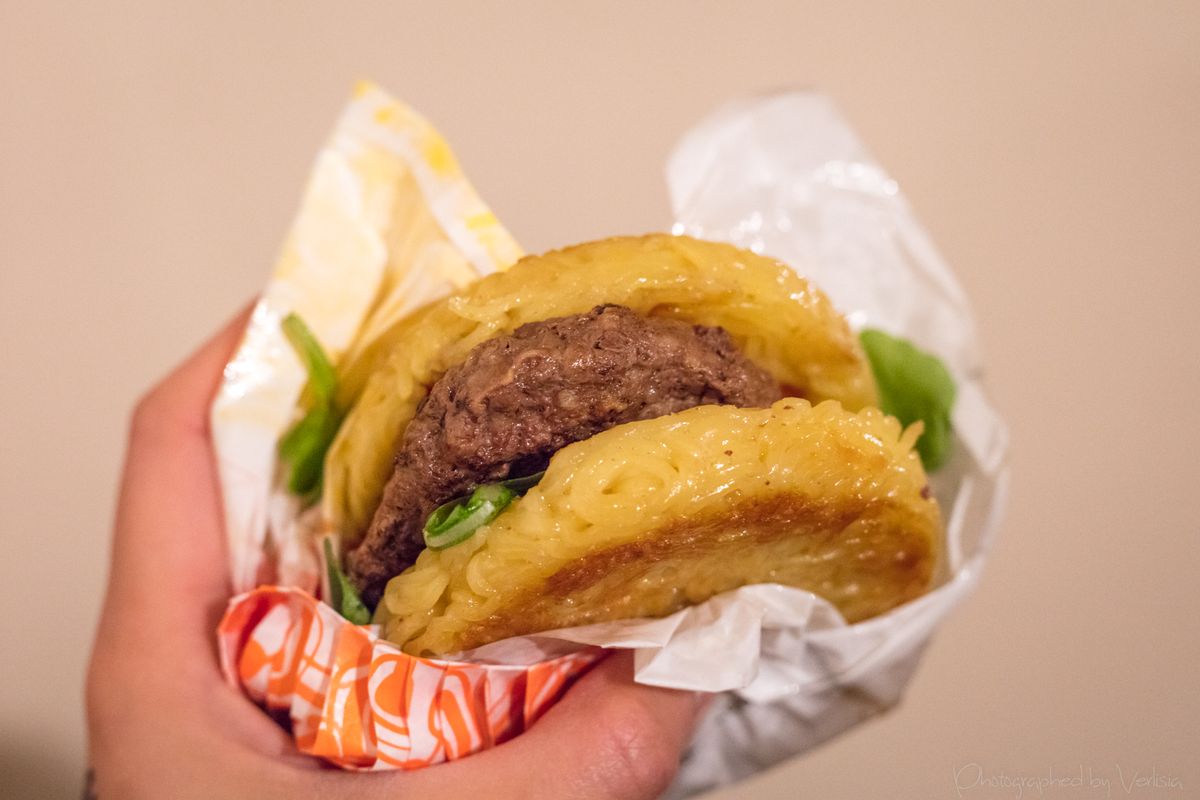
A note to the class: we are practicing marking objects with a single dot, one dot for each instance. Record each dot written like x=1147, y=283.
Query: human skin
x=162, y=722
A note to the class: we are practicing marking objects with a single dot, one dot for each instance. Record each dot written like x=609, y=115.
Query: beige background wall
x=151, y=155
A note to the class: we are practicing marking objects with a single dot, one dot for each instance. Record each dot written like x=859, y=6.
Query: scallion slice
x=304, y=446
x=321, y=375
x=523, y=485
x=455, y=521
x=342, y=594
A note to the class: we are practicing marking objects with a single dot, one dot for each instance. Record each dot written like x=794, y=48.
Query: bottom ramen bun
x=651, y=516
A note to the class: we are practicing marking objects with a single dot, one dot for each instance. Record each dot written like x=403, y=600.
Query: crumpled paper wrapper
x=387, y=206
x=359, y=702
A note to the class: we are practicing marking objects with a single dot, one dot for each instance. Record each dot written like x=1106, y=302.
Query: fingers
x=169, y=559
x=607, y=738
x=180, y=402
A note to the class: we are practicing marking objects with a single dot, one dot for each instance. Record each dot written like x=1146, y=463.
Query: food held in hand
x=618, y=429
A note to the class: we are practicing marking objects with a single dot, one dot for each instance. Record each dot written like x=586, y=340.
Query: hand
x=163, y=723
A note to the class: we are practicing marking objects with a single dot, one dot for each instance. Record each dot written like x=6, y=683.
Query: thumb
x=607, y=738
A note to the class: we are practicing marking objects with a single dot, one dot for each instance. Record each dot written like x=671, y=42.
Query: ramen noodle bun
x=777, y=319
x=652, y=516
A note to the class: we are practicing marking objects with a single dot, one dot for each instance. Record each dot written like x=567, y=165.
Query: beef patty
x=517, y=399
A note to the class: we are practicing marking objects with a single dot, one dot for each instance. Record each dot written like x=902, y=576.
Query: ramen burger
x=615, y=430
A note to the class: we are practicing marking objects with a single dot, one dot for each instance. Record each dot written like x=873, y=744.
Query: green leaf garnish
x=304, y=446
x=523, y=485
x=342, y=594
x=321, y=376
x=455, y=521
x=913, y=385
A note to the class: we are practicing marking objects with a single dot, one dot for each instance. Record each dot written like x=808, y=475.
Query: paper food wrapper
x=387, y=208
x=360, y=702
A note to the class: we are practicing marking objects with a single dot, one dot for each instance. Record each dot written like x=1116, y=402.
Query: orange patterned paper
x=361, y=703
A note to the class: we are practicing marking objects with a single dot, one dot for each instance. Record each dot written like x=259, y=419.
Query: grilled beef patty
x=517, y=399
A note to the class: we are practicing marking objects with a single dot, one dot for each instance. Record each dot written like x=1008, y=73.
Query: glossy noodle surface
x=651, y=516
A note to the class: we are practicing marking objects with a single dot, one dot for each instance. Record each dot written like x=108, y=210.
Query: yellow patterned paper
x=388, y=223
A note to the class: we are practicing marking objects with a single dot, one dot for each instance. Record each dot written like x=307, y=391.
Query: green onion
x=455, y=521
x=304, y=446
x=321, y=376
x=523, y=485
x=342, y=594
x=913, y=385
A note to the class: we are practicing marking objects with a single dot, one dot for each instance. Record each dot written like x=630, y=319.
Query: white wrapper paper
x=783, y=175
x=786, y=176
